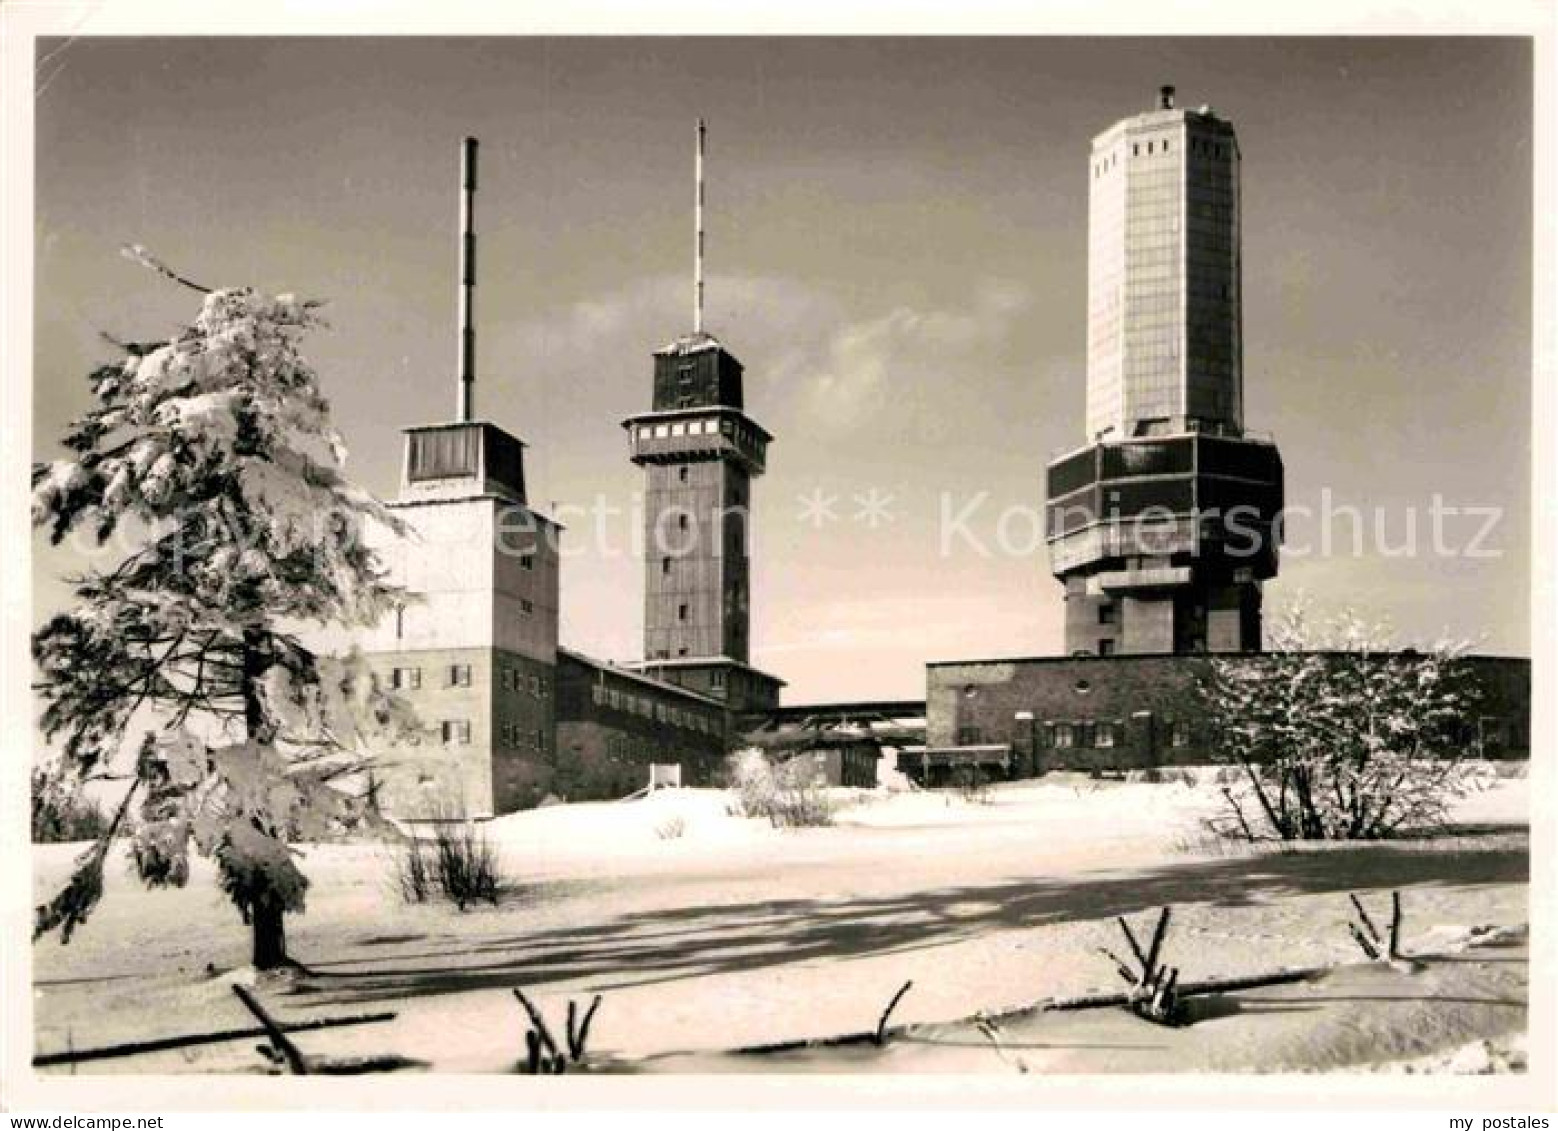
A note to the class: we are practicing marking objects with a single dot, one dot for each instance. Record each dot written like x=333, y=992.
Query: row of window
x=642, y=705
x=1204, y=148
x=628, y=747
x=512, y=734
x=1100, y=734
x=457, y=732
x=512, y=678
x=710, y=427
x=459, y=675
x=410, y=679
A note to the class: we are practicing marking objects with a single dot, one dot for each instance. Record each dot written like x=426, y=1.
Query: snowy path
x=735, y=933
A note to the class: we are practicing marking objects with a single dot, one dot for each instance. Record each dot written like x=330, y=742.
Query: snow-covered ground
x=707, y=931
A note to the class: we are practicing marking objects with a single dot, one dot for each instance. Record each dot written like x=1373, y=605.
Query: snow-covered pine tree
x=211, y=455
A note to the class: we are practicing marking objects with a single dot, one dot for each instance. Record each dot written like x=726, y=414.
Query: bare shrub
x=973, y=786
x=412, y=869
x=467, y=864
x=458, y=864
x=673, y=828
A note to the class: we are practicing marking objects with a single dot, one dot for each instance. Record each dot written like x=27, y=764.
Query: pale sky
x=896, y=252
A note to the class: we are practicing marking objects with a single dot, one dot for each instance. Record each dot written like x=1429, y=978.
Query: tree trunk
x=267, y=917
x=270, y=933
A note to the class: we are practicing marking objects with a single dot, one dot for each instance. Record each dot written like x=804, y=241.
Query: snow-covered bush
x=972, y=785
x=787, y=795
x=212, y=456
x=1338, y=736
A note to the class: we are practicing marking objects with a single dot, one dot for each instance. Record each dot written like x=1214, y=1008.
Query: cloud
x=868, y=365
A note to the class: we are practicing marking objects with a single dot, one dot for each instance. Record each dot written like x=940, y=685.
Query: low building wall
x=1133, y=712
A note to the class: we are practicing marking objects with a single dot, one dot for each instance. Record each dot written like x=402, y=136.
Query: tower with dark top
x=700, y=452
x=1163, y=527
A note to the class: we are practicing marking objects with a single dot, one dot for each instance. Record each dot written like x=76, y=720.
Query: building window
x=527, y=561
x=1086, y=734
x=535, y=685
x=682, y=521
x=1179, y=733
x=1106, y=647
x=406, y=679
x=681, y=612
x=717, y=681
x=1105, y=735
x=681, y=651
x=527, y=606
x=665, y=565
x=597, y=693
x=1065, y=736
x=681, y=474
x=457, y=732
x=1106, y=613
x=459, y=675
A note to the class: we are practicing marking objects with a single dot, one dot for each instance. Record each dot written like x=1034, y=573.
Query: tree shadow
x=669, y=944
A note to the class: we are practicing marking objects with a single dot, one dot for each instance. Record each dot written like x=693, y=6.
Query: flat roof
x=1129, y=656
x=639, y=677
x=704, y=662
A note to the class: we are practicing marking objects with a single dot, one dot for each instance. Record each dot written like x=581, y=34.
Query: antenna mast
x=467, y=287
x=697, y=221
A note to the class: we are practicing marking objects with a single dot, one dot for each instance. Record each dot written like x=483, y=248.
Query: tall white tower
x=1163, y=302
x=1164, y=525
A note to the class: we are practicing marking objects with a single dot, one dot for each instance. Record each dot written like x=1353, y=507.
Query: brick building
x=1023, y=717
x=613, y=723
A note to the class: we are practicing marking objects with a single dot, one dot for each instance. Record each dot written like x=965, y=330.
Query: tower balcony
x=1171, y=499
x=679, y=435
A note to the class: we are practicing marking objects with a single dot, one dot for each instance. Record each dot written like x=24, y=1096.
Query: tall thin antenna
x=467, y=291
x=697, y=223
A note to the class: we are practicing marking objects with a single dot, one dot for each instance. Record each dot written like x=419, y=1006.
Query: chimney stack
x=1165, y=98
x=467, y=289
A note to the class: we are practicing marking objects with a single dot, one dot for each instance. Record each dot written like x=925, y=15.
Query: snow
x=734, y=933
